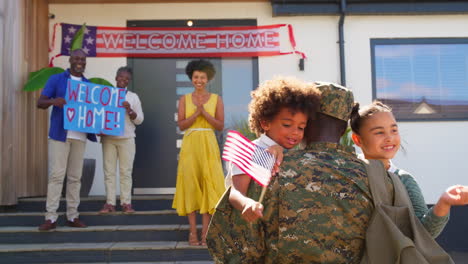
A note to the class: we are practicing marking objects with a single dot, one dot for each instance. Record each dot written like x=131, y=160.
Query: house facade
x=410, y=54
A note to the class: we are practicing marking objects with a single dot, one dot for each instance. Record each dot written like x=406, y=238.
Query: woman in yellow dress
x=200, y=177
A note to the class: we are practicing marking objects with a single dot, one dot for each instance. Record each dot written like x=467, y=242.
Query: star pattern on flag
x=72, y=30
x=67, y=39
x=89, y=39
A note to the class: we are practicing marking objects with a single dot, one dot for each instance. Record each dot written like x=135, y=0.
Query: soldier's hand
x=59, y=102
x=252, y=211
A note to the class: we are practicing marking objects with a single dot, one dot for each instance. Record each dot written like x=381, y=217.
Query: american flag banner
x=252, y=159
x=89, y=40
x=242, y=41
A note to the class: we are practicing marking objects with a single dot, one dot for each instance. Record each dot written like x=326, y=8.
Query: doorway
x=159, y=82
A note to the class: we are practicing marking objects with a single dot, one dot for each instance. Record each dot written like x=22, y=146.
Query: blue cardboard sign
x=94, y=108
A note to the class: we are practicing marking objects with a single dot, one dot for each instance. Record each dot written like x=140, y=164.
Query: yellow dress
x=200, y=177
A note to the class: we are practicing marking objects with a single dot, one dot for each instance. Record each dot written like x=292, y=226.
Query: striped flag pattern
x=253, y=160
x=242, y=41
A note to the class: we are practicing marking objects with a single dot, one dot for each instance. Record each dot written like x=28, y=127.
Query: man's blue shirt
x=55, y=87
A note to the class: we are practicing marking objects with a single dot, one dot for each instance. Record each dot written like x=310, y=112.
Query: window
x=421, y=79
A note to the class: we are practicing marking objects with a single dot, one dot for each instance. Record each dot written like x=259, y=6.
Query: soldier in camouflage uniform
x=230, y=238
x=316, y=211
x=322, y=194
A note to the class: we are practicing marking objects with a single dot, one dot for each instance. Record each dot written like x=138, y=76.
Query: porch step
x=152, y=262
x=107, y=233
x=95, y=203
x=153, y=234
x=96, y=219
x=102, y=252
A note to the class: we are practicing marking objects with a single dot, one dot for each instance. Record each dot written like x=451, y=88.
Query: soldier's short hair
x=282, y=92
x=337, y=101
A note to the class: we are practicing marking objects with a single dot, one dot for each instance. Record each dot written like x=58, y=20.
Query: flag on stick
x=252, y=159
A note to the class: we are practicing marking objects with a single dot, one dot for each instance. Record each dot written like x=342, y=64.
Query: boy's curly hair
x=200, y=65
x=282, y=92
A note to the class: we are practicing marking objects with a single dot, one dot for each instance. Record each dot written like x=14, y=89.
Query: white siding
x=436, y=151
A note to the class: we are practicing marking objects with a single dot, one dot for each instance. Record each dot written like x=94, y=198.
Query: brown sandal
x=193, y=239
x=203, y=240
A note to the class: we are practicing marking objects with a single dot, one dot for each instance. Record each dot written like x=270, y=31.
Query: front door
x=159, y=82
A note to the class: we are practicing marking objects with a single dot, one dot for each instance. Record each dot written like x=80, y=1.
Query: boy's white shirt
x=263, y=141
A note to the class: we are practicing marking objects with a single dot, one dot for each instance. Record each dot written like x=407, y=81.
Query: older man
x=66, y=148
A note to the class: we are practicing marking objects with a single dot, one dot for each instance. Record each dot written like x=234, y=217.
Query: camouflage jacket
x=316, y=211
x=323, y=207
x=230, y=238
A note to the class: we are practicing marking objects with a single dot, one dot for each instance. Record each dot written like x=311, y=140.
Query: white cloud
x=411, y=90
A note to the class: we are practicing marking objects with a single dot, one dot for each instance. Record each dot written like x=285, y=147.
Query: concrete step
x=158, y=262
x=95, y=203
x=160, y=217
x=114, y=233
x=153, y=234
x=167, y=251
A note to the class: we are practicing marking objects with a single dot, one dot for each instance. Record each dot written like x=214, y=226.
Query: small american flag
x=253, y=160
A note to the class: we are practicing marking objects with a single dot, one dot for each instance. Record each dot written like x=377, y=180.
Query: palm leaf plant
x=38, y=79
x=242, y=126
x=100, y=81
x=346, y=140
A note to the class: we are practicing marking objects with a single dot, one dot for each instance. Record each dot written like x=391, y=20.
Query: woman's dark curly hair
x=358, y=116
x=200, y=65
x=282, y=92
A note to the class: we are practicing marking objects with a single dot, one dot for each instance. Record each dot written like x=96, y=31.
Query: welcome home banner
x=94, y=108
x=245, y=41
